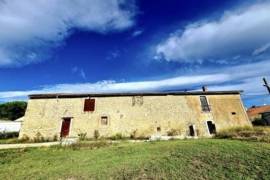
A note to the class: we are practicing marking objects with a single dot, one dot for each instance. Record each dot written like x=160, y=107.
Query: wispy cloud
x=30, y=29
x=261, y=50
x=236, y=33
x=79, y=71
x=114, y=54
x=241, y=77
x=137, y=33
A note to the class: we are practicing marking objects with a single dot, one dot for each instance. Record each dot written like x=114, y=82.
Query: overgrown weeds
x=261, y=134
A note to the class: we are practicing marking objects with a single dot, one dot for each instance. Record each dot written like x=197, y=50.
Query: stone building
x=133, y=114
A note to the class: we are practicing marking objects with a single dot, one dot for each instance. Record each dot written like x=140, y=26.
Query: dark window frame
x=102, y=120
x=205, y=104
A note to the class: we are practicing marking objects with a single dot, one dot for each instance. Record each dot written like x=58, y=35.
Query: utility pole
x=266, y=85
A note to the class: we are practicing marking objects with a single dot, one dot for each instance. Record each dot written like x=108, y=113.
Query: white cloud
x=137, y=33
x=82, y=74
x=236, y=33
x=261, y=50
x=79, y=71
x=241, y=77
x=29, y=26
x=113, y=86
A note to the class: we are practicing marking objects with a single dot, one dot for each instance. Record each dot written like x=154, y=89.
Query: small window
x=233, y=113
x=158, y=129
x=89, y=105
x=104, y=120
x=204, y=104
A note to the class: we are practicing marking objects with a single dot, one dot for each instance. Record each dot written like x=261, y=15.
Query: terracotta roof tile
x=257, y=110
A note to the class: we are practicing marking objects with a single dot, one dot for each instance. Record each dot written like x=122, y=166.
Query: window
x=89, y=105
x=104, y=120
x=204, y=104
x=158, y=129
x=233, y=113
x=211, y=127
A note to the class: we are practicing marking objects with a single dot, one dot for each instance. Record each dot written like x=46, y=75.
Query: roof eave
x=78, y=95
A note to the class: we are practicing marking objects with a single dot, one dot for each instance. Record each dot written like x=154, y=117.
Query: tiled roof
x=257, y=110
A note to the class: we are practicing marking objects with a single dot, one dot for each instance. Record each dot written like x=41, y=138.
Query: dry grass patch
x=261, y=134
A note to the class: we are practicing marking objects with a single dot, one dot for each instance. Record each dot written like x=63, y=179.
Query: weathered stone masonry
x=140, y=114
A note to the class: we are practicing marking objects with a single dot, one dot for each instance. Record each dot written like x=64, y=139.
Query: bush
x=133, y=135
x=38, y=138
x=82, y=136
x=7, y=135
x=25, y=138
x=117, y=136
x=96, y=134
x=258, y=122
x=55, y=137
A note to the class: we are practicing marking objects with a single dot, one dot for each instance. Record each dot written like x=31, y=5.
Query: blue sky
x=134, y=45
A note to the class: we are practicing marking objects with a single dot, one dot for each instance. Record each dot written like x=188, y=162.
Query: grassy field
x=182, y=159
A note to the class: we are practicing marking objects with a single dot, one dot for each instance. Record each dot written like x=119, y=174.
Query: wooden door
x=65, y=127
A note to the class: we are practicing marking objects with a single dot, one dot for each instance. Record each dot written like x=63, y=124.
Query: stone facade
x=138, y=114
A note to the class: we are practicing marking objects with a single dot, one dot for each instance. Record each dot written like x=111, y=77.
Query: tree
x=12, y=110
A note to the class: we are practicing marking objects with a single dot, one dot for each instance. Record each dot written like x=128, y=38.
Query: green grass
x=182, y=159
x=10, y=141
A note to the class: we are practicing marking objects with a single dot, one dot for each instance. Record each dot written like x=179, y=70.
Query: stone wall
x=142, y=116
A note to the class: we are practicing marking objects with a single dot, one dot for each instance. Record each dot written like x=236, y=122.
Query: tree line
x=12, y=110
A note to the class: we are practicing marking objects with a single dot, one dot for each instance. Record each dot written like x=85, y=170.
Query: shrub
x=55, y=137
x=96, y=134
x=7, y=135
x=24, y=138
x=133, y=135
x=39, y=138
x=117, y=136
x=173, y=132
x=259, y=122
x=82, y=136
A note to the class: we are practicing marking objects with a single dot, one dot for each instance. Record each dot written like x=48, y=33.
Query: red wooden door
x=65, y=127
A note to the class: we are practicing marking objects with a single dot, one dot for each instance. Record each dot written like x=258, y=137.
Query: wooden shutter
x=89, y=105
